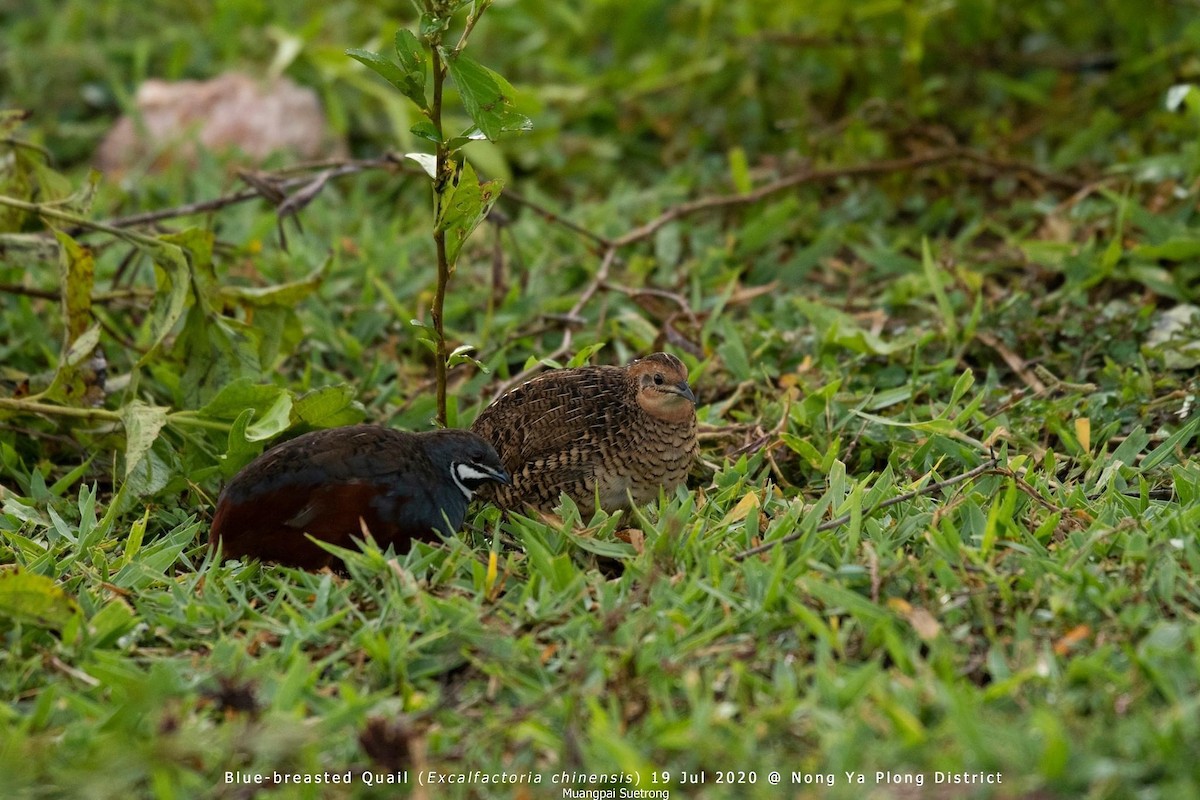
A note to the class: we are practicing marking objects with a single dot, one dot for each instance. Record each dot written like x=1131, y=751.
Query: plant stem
x=78, y=221
x=22, y=405
x=439, y=235
x=187, y=419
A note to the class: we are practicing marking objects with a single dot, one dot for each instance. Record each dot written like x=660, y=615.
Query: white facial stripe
x=467, y=472
x=456, y=472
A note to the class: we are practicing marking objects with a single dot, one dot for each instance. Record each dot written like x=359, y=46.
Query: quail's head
x=466, y=459
x=662, y=387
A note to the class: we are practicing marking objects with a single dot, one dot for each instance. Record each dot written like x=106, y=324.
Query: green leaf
x=287, y=295
x=239, y=451
x=424, y=129
x=412, y=61
x=215, y=351
x=1174, y=446
x=739, y=170
x=328, y=407
x=142, y=423
x=71, y=382
x=173, y=277
x=1177, y=249
x=35, y=600
x=487, y=97
x=408, y=80
x=584, y=354
x=242, y=394
x=463, y=206
x=271, y=422
x=461, y=355
x=934, y=277
x=840, y=329
x=196, y=245
x=149, y=476
x=111, y=622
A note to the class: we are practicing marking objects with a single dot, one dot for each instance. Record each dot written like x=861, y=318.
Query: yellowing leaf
x=742, y=510
x=1083, y=432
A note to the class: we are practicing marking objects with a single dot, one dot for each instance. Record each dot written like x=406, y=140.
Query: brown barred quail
x=614, y=434
x=334, y=483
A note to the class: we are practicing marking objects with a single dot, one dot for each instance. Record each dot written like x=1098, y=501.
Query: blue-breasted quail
x=335, y=483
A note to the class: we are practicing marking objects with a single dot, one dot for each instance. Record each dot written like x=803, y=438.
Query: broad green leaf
x=411, y=55
x=240, y=451
x=282, y=294
x=73, y=381
x=196, y=244
x=424, y=129
x=328, y=407
x=33, y=599
x=464, y=206
x=272, y=421
x=142, y=423
x=408, y=77
x=408, y=82
x=279, y=331
x=487, y=96
x=215, y=352
x=148, y=477
x=240, y=395
x=11, y=119
x=174, y=282
x=54, y=187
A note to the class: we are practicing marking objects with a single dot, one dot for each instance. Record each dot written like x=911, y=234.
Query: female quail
x=612, y=434
x=336, y=483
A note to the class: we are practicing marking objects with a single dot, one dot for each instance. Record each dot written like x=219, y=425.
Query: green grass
x=852, y=340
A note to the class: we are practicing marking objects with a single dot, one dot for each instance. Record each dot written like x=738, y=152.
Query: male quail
x=607, y=433
x=335, y=483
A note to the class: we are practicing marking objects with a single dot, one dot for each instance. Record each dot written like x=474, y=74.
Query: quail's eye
x=658, y=379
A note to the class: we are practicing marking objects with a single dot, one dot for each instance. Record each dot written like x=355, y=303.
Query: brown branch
x=54, y=294
x=891, y=501
x=555, y=219
x=335, y=170
x=807, y=175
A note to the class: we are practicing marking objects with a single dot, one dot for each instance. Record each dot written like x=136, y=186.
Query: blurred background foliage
x=1044, y=244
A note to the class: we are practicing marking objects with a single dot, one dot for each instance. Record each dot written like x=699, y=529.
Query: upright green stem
x=439, y=236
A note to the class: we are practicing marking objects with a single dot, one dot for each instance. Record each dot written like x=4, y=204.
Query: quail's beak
x=501, y=477
x=683, y=390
